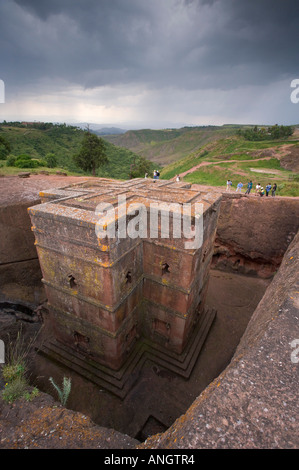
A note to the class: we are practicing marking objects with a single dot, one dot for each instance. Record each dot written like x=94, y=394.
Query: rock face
x=253, y=402
x=45, y=424
x=253, y=233
x=18, y=257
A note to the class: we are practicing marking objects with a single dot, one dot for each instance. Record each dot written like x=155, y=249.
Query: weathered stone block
x=106, y=293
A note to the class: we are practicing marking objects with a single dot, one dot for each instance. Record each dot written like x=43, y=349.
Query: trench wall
x=253, y=233
x=18, y=256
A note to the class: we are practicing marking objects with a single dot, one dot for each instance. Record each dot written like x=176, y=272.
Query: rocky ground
x=45, y=424
x=14, y=189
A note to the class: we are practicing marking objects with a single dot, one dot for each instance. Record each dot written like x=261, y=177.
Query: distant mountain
x=108, y=131
x=100, y=130
x=169, y=145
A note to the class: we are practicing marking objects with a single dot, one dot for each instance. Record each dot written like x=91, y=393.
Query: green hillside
x=240, y=160
x=205, y=155
x=169, y=145
x=39, y=139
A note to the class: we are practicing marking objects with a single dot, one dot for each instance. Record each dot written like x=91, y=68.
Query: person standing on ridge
x=228, y=185
x=249, y=187
x=239, y=187
x=257, y=189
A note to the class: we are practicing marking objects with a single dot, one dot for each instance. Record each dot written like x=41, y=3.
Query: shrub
x=18, y=388
x=14, y=390
x=14, y=372
x=26, y=163
x=50, y=160
x=11, y=160
x=24, y=156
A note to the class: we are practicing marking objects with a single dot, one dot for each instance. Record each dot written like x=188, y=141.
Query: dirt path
x=283, y=151
x=217, y=163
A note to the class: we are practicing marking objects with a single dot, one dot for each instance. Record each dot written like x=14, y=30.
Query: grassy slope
x=221, y=155
x=64, y=143
x=184, y=148
x=169, y=145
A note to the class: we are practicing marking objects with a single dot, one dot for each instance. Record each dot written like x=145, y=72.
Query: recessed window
x=128, y=277
x=72, y=281
x=79, y=338
x=165, y=268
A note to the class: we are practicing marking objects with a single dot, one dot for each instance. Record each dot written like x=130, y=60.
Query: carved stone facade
x=118, y=300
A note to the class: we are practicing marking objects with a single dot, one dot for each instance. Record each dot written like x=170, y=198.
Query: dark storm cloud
x=184, y=43
x=188, y=60
x=87, y=42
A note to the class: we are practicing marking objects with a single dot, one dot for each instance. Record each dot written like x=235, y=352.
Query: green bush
x=26, y=161
x=24, y=164
x=14, y=390
x=24, y=156
x=18, y=388
x=51, y=160
x=14, y=372
x=11, y=160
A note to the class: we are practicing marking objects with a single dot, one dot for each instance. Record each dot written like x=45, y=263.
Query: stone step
x=120, y=382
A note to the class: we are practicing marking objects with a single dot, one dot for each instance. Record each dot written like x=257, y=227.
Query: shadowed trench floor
x=159, y=396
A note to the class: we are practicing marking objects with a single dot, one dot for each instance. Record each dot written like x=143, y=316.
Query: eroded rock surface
x=254, y=232
x=253, y=402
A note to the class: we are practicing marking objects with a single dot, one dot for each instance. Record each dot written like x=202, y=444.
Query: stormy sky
x=149, y=63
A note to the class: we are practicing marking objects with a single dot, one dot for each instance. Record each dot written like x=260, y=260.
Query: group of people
x=157, y=175
x=259, y=190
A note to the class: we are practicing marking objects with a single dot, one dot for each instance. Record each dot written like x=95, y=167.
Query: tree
x=279, y=132
x=273, y=132
x=5, y=148
x=92, y=154
x=140, y=167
